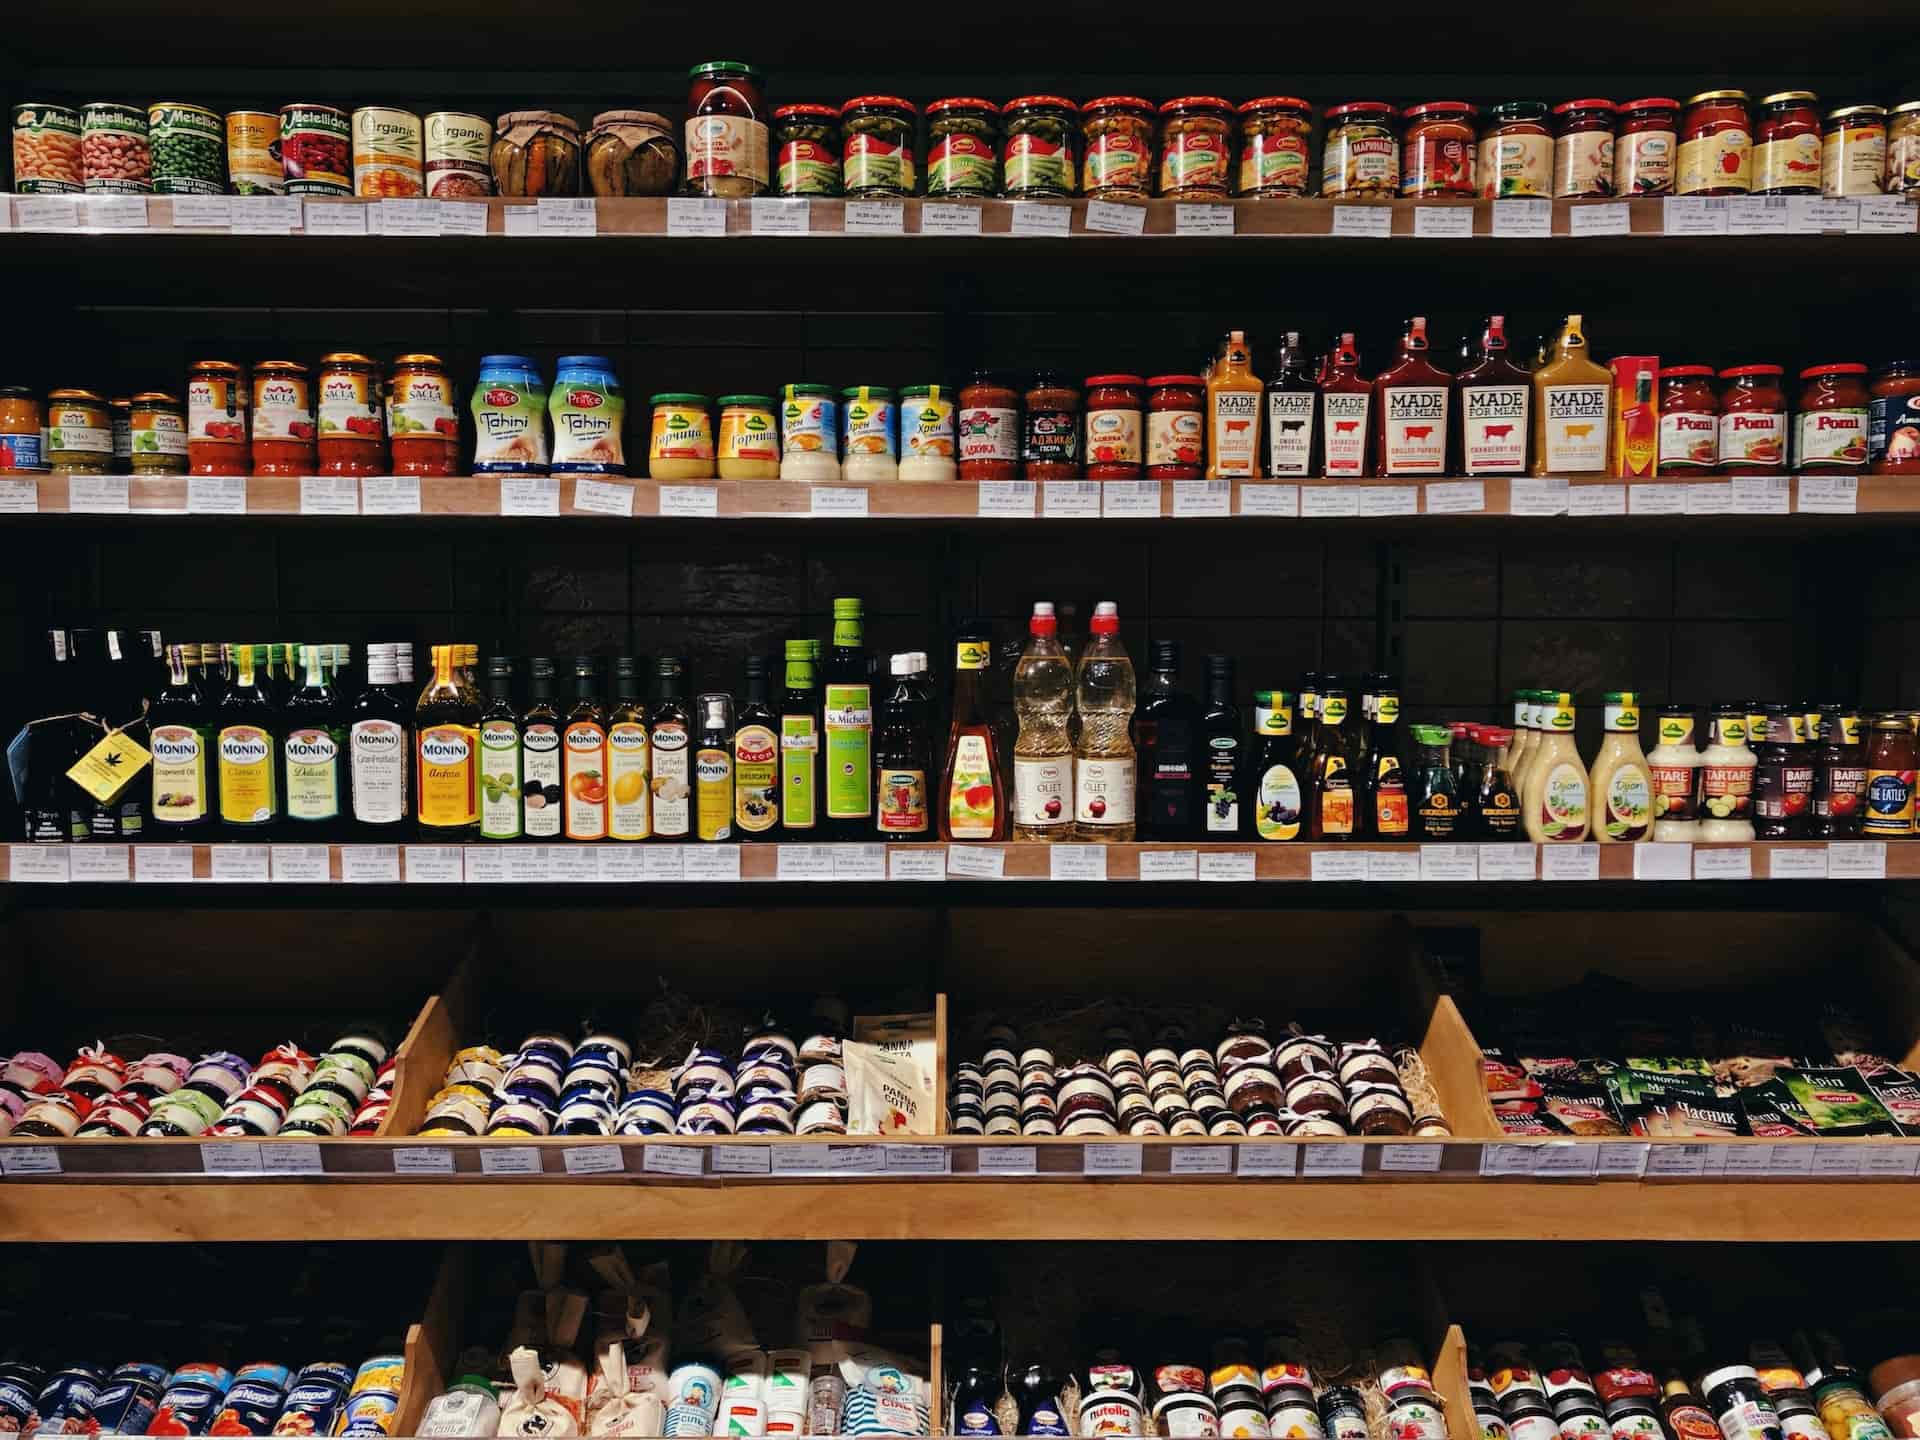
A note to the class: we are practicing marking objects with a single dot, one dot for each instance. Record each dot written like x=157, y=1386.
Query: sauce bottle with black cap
x=540, y=792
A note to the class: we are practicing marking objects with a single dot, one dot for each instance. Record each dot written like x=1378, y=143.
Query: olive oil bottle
x=380, y=748
x=313, y=752
x=848, y=779
x=248, y=783
x=180, y=735
x=800, y=743
x=756, y=760
x=542, y=797
x=713, y=768
x=585, y=756
x=670, y=737
x=499, y=755
x=629, y=757
x=446, y=731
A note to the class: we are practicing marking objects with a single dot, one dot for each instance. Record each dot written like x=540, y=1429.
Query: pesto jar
x=1043, y=148
x=807, y=138
x=878, y=159
x=963, y=148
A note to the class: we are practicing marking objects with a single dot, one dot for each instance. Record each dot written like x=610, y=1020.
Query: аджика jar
x=1831, y=433
x=726, y=131
x=1274, y=157
x=1716, y=145
x=1786, y=149
x=1176, y=427
x=1043, y=148
x=1196, y=148
x=1516, y=151
x=1050, y=436
x=963, y=153
x=1114, y=423
x=1583, y=149
x=216, y=418
x=1893, y=420
x=352, y=421
x=1117, y=134
x=1360, y=154
x=1437, y=151
x=1643, y=153
x=808, y=154
x=877, y=147
x=1753, y=421
x=422, y=422
x=809, y=434
x=283, y=429
x=1853, y=151
x=1689, y=419
x=989, y=428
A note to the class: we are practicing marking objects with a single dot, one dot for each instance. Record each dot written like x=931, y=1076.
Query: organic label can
x=115, y=158
x=459, y=155
x=189, y=149
x=46, y=150
x=254, y=166
x=314, y=149
x=386, y=153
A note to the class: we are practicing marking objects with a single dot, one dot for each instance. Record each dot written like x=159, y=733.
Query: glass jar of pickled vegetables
x=1196, y=148
x=1360, y=155
x=1117, y=135
x=1043, y=148
x=1274, y=158
x=877, y=144
x=808, y=137
x=963, y=147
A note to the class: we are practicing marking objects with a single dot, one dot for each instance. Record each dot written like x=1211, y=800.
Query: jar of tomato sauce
x=353, y=427
x=1516, y=151
x=989, y=428
x=1786, y=151
x=1176, y=427
x=1644, y=153
x=421, y=416
x=1716, y=145
x=1753, y=421
x=1583, y=149
x=1893, y=420
x=1050, y=437
x=216, y=418
x=1832, y=424
x=1113, y=426
x=1689, y=419
x=283, y=432
x=1437, y=150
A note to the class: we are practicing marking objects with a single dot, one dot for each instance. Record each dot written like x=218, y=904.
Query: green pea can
x=189, y=146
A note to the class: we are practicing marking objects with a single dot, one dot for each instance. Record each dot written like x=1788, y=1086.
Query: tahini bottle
x=1555, y=798
x=1571, y=400
x=1103, y=757
x=1619, y=782
x=1043, y=749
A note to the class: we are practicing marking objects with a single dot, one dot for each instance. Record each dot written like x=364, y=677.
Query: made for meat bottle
x=1345, y=435
x=1410, y=409
x=1292, y=403
x=1572, y=400
x=1493, y=403
x=1233, y=413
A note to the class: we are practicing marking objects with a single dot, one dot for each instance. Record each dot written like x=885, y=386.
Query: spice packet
x=1525, y=1118
x=1772, y=1112
x=1582, y=1109
x=1899, y=1092
x=1838, y=1101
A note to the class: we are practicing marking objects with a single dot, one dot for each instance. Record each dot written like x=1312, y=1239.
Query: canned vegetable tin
x=189, y=149
x=314, y=148
x=459, y=155
x=46, y=150
x=253, y=153
x=115, y=158
x=386, y=153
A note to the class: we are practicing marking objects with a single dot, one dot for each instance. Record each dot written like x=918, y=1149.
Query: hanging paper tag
x=109, y=767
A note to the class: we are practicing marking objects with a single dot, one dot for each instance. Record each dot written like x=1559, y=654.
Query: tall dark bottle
x=800, y=743
x=756, y=760
x=975, y=1401
x=902, y=753
x=500, y=797
x=180, y=735
x=1410, y=406
x=1332, y=805
x=1036, y=1389
x=248, y=742
x=313, y=752
x=1224, y=760
x=848, y=722
x=1292, y=409
x=542, y=813
x=1492, y=400
x=1346, y=436
x=380, y=749
x=1383, y=774
x=1167, y=734
x=670, y=734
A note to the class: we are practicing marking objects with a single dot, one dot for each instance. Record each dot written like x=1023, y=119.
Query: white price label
x=1659, y=861
x=434, y=865
x=1888, y=215
x=239, y=864
x=977, y=862
x=463, y=217
x=1613, y=217
x=876, y=217
x=19, y=497
x=620, y=864
x=230, y=1157
x=1623, y=1159
x=945, y=218
x=1857, y=860
x=661, y=862
x=529, y=495
x=1392, y=867
x=266, y=214
x=1409, y=1157
x=1201, y=1160
x=1566, y=1158
x=1596, y=500
x=1070, y=499
x=1200, y=498
x=602, y=497
x=1015, y=498
x=915, y=1159
x=1169, y=865
x=772, y=215
x=1110, y=1160
x=1332, y=1159
x=301, y=865
x=1378, y=501
x=799, y=1160
x=1202, y=219
x=916, y=862
x=1449, y=862
x=162, y=864
x=1829, y=494
x=1281, y=501
x=1338, y=865
x=1837, y=1157
x=416, y=218
x=1677, y=1160
x=1797, y=863
x=1728, y=862
x=1507, y=862
x=1757, y=215
x=486, y=864
x=1109, y=217
x=574, y=864
x=836, y=500
x=1041, y=217
x=1227, y=866
x=519, y=220
x=202, y=212
x=1570, y=862
x=1523, y=219
x=1747, y=1162
x=6, y=212
x=117, y=212
x=1329, y=502
x=856, y=1160
x=1762, y=495
x=97, y=494
x=695, y=218
x=1130, y=499
x=29, y=1160
x=324, y=217
x=1507, y=1159
x=712, y=862
x=370, y=864
x=727, y=1159
x=1443, y=222
x=329, y=495
x=46, y=212
x=528, y=864
x=1008, y=1160
x=1709, y=497
x=803, y=862
x=1268, y=1159
x=290, y=1157
x=510, y=1160
x=422, y=1160
x=1656, y=499
x=102, y=864
x=1890, y=1160
x=678, y=1160
x=1695, y=215
x=1456, y=497
x=593, y=1160
x=1077, y=862
x=1816, y=215
x=1793, y=1158
x=1363, y=222
x=859, y=862
x=216, y=494
x=564, y=215
x=390, y=495
x=697, y=501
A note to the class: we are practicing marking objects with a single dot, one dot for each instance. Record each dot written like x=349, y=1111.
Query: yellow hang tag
x=109, y=767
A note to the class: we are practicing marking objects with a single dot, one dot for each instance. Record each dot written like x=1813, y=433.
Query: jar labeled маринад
x=1360, y=155
x=963, y=148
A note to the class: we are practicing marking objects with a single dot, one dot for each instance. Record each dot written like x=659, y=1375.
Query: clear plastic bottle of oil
x=1103, y=756
x=1043, y=751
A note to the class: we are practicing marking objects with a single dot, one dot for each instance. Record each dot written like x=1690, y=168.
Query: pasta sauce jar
x=1050, y=436
x=1893, y=421
x=1118, y=137
x=1360, y=156
x=1274, y=159
x=1853, y=151
x=1753, y=421
x=353, y=430
x=1516, y=152
x=989, y=429
x=421, y=417
x=1689, y=419
x=1438, y=151
x=216, y=418
x=1176, y=427
x=283, y=430
x=1196, y=148
x=1786, y=151
x=1583, y=149
x=1831, y=434
x=1716, y=146
x=1113, y=426
x=1643, y=154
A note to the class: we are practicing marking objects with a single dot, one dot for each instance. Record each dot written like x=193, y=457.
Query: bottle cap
x=799, y=650
x=901, y=664
x=540, y=667
x=500, y=667
x=1219, y=665
x=756, y=667
x=585, y=667
x=1166, y=654
x=1043, y=621
x=667, y=667
x=848, y=608
x=1106, y=619
x=626, y=666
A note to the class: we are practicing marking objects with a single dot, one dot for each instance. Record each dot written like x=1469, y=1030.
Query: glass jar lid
x=678, y=397
x=1566, y=107
x=1512, y=111
x=713, y=68
x=806, y=112
x=878, y=102
x=962, y=102
x=762, y=402
x=1707, y=96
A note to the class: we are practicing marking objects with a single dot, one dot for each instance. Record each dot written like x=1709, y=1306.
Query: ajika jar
x=1113, y=426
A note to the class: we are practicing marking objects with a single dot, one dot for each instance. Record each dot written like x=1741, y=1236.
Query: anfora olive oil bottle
x=446, y=745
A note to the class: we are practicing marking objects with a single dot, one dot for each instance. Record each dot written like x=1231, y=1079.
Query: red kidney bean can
x=315, y=145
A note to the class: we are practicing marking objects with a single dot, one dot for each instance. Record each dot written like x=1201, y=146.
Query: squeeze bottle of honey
x=1571, y=406
x=1233, y=413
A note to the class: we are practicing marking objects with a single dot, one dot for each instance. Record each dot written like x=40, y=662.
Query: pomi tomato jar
x=1176, y=427
x=1831, y=433
x=1113, y=426
x=1438, y=151
x=1716, y=145
x=1689, y=419
x=216, y=418
x=1753, y=421
x=283, y=431
x=1644, y=152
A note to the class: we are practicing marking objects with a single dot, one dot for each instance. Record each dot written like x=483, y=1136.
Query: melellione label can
x=459, y=155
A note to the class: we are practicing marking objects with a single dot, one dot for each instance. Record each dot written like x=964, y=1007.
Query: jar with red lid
x=1753, y=421
x=808, y=160
x=1274, y=158
x=989, y=425
x=1043, y=148
x=1689, y=419
x=963, y=155
x=216, y=418
x=1113, y=426
x=1643, y=155
x=1516, y=152
x=1438, y=150
x=876, y=159
x=1360, y=153
x=1176, y=427
x=1583, y=149
x=1716, y=145
x=1117, y=137
x=1893, y=420
x=1831, y=430
x=726, y=131
x=1196, y=148
x=1786, y=150
x=1050, y=434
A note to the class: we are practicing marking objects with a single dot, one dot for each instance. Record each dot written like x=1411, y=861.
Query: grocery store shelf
x=613, y=499
x=699, y=864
